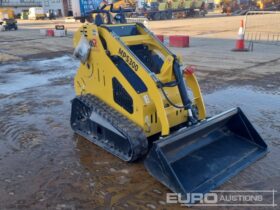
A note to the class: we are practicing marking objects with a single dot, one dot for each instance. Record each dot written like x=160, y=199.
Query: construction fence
x=262, y=27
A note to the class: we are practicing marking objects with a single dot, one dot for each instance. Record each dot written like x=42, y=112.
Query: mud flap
x=198, y=159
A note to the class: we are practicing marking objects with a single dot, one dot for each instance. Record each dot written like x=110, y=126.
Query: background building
x=59, y=7
x=20, y=5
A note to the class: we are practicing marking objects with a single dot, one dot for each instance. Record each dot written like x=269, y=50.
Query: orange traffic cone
x=240, y=43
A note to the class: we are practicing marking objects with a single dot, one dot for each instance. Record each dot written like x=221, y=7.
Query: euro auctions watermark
x=246, y=198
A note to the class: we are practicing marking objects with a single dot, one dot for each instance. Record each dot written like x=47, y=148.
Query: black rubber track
x=133, y=136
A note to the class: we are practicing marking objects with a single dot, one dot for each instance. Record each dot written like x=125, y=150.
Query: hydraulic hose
x=181, y=85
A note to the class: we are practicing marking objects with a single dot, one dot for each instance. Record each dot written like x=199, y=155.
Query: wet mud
x=44, y=165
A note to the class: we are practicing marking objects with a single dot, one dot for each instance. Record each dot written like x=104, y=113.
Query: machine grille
x=121, y=97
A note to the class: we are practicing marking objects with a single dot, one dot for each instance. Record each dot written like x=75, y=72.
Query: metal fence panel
x=262, y=27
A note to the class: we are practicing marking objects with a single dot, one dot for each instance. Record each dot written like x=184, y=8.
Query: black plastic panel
x=122, y=97
x=130, y=75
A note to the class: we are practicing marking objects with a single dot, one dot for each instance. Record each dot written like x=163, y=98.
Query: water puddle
x=261, y=107
x=247, y=98
x=22, y=75
x=44, y=165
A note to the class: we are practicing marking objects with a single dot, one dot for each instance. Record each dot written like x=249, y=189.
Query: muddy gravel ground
x=44, y=165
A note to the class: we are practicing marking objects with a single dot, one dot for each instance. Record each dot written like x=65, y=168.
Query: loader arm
x=192, y=83
x=170, y=70
x=117, y=47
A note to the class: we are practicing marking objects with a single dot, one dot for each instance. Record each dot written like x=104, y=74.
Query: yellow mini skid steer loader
x=133, y=100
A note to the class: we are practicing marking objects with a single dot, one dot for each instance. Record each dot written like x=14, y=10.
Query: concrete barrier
x=179, y=41
x=161, y=38
x=50, y=32
x=43, y=32
x=137, y=20
x=59, y=33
